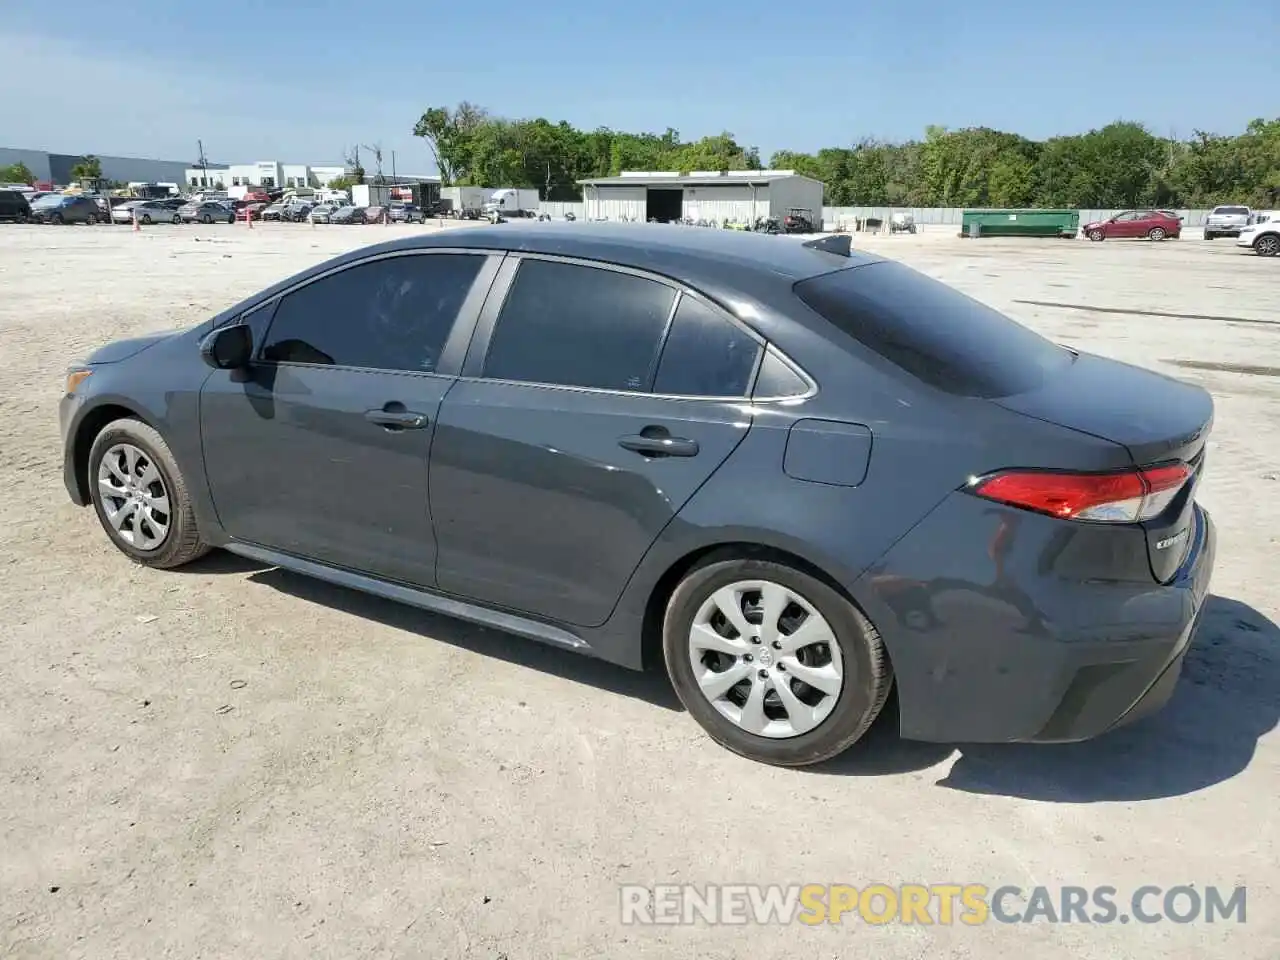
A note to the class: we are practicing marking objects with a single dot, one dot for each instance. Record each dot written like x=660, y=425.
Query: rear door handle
x=397, y=419
x=659, y=446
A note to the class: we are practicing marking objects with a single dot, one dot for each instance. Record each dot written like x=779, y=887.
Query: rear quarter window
x=934, y=332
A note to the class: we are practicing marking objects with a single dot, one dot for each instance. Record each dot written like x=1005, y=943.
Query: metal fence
x=834, y=217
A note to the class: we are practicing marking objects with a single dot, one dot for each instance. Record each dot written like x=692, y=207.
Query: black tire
x=56, y=218
x=176, y=219
x=146, y=218
x=206, y=218
x=1267, y=245
x=1097, y=235
x=868, y=673
x=1156, y=234
x=1209, y=235
x=182, y=543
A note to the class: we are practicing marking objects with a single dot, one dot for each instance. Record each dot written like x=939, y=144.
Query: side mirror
x=228, y=348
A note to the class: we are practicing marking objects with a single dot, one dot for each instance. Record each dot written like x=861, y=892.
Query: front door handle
x=659, y=445
x=397, y=419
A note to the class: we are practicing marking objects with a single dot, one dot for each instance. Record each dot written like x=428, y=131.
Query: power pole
x=204, y=166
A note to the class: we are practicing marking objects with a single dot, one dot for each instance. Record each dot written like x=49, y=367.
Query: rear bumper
x=1224, y=230
x=1029, y=652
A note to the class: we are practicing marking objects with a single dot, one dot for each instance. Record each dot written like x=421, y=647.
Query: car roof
x=691, y=254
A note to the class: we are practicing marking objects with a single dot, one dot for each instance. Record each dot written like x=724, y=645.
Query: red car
x=1151, y=224
x=250, y=211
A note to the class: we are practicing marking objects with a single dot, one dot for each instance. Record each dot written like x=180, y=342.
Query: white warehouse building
x=739, y=196
x=269, y=174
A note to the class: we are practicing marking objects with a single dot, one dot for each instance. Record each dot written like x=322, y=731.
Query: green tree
x=16, y=173
x=88, y=167
x=1121, y=164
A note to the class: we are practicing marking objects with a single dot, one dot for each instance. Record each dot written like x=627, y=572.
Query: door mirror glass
x=228, y=348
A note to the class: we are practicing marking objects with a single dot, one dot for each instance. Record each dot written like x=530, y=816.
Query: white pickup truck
x=1227, y=221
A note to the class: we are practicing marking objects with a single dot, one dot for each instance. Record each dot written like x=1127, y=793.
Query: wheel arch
x=660, y=594
x=87, y=430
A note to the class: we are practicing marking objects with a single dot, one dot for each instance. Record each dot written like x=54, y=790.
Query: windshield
x=934, y=332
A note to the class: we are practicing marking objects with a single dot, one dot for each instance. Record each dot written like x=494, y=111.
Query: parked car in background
x=250, y=211
x=1263, y=237
x=153, y=211
x=61, y=208
x=14, y=206
x=296, y=210
x=273, y=211
x=407, y=213
x=122, y=210
x=348, y=214
x=322, y=213
x=1227, y=221
x=206, y=212
x=375, y=214
x=1134, y=224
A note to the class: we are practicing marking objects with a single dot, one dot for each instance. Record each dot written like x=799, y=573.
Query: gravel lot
x=228, y=761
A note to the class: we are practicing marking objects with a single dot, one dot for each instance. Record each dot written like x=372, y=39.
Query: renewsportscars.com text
x=969, y=904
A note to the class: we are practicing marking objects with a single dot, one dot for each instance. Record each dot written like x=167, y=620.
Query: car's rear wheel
x=773, y=663
x=1268, y=245
x=176, y=219
x=206, y=218
x=141, y=497
x=146, y=218
x=1155, y=233
x=1097, y=235
x=1209, y=235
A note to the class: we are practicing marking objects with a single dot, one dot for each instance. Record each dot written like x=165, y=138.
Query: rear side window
x=389, y=314
x=579, y=326
x=705, y=355
x=934, y=332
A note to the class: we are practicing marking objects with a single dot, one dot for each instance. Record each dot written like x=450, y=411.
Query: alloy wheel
x=1267, y=246
x=134, y=498
x=765, y=658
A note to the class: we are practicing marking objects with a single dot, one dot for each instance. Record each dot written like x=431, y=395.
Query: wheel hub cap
x=765, y=658
x=134, y=499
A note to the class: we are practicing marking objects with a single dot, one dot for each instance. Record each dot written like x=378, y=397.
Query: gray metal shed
x=735, y=195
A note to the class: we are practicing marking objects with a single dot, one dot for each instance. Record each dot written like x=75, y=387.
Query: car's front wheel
x=773, y=663
x=1209, y=235
x=1267, y=245
x=1097, y=235
x=141, y=497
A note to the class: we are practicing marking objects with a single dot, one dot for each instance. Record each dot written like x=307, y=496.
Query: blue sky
x=300, y=81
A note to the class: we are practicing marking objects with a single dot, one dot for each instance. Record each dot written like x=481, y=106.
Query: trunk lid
x=1156, y=418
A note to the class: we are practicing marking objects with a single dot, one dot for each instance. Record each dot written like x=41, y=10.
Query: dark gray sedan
x=797, y=475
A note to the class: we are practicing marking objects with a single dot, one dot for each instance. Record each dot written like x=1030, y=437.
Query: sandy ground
x=231, y=762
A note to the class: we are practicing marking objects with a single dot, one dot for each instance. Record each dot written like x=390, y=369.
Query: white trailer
x=461, y=200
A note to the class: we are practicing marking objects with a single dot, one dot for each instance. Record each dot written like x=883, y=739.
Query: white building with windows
x=268, y=174
x=739, y=196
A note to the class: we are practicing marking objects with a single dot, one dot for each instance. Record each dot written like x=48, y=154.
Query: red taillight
x=1101, y=497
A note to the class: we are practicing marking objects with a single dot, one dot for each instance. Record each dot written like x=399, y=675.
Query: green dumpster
x=1020, y=223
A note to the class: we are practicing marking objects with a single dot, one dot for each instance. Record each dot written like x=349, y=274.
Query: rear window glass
x=934, y=332
x=1234, y=211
